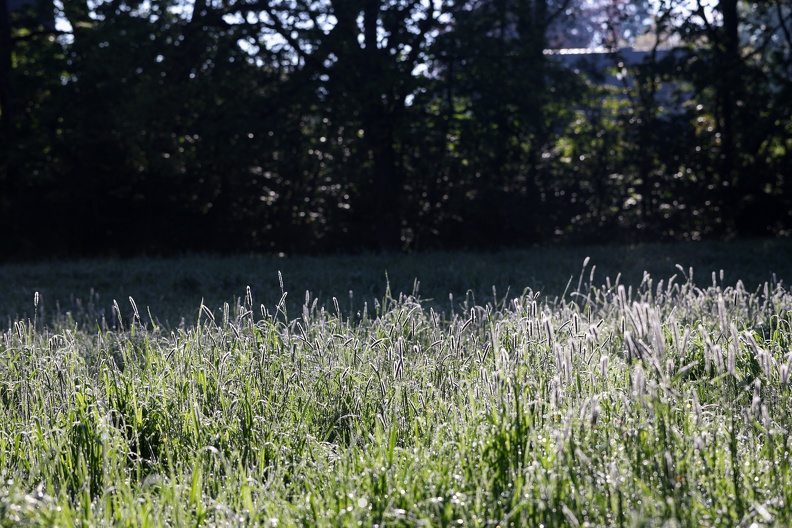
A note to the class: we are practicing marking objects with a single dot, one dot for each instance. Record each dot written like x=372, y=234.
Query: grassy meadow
x=558, y=387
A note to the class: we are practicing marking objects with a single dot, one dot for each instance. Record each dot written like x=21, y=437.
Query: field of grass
x=654, y=399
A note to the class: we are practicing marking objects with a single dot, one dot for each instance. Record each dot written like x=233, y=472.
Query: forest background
x=307, y=126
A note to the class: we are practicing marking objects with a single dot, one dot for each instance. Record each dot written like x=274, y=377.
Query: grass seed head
x=603, y=366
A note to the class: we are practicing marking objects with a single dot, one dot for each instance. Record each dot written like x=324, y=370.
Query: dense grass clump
x=663, y=404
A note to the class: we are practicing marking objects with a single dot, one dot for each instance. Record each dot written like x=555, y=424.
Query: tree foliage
x=342, y=125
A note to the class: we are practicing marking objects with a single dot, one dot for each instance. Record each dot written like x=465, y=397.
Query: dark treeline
x=340, y=125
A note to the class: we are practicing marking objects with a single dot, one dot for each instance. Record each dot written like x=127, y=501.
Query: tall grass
x=664, y=403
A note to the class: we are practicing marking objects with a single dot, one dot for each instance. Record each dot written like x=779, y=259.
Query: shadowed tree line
x=341, y=125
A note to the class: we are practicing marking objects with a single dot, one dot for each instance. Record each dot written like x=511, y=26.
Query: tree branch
x=782, y=23
x=39, y=33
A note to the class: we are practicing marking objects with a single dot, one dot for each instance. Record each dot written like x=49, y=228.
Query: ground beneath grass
x=173, y=289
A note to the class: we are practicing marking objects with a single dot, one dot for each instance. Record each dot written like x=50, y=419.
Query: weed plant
x=662, y=404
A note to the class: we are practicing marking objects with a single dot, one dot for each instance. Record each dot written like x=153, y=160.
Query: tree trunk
x=378, y=119
x=388, y=189
x=7, y=113
x=729, y=85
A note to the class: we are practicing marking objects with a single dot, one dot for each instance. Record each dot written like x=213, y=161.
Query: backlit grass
x=665, y=401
